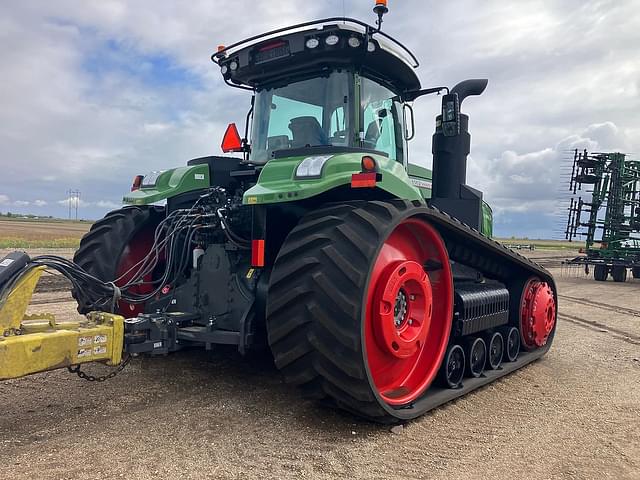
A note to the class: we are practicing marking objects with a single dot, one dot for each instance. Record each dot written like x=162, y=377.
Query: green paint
x=420, y=177
x=171, y=183
x=277, y=182
x=486, y=228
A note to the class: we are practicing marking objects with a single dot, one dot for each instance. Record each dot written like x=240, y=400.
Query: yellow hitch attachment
x=36, y=343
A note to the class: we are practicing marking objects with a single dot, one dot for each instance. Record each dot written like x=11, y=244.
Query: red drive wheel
x=114, y=245
x=409, y=312
x=138, y=248
x=537, y=313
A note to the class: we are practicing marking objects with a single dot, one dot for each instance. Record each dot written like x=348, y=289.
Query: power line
x=73, y=202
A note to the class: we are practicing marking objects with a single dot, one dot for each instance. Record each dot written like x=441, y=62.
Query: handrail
x=369, y=30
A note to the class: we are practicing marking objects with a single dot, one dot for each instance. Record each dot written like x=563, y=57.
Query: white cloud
x=156, y=127
x=4, y=199
x=40, y=203
x=73, y=202
x=108, y=204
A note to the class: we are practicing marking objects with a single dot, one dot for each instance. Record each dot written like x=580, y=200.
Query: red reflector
x=257, y=253
x=137, y=182
x=231, y=142
x=364, y=180
x=271, y=46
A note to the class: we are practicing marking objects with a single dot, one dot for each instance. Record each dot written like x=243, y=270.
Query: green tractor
x=373, y=282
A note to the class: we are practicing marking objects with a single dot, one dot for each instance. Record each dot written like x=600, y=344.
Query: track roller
x=452, y=369
x=476, y=357
x=495, y=343
x=512, y=347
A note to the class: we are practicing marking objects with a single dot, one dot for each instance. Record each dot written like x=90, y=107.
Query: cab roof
x=310, y=48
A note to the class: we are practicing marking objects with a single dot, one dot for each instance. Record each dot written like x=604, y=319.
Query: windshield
x=308, y=113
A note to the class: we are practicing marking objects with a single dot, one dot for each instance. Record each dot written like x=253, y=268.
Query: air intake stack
x=450, y=147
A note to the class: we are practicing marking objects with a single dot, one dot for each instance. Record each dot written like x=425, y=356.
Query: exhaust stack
x=450, y=147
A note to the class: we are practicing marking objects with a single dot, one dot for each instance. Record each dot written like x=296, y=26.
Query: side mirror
x=231, y=142
x=409, y=121
x=450, y=115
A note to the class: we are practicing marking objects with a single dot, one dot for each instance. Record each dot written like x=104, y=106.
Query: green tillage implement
x=612, y=209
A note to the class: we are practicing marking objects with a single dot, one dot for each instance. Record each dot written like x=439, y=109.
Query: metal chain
x=102, y=378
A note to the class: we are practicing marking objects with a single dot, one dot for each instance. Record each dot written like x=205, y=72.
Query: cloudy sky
x=93, y=93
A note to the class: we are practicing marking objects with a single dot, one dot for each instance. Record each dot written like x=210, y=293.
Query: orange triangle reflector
x=231, y=142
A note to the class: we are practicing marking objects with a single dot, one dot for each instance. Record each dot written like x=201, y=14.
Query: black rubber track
x=318, y=287
x=101, y=247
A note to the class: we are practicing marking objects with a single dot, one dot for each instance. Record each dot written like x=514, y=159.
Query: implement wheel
x=114, y=245
x=619, y=273
x=600, y=273
x=635, y=272
x=359, y=307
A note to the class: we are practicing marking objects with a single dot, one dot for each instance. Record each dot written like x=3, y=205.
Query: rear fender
x=278, y=182
x=157, y=186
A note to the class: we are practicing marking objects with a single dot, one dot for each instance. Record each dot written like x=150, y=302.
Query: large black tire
x=635, y=271
x=619, y=273
x=600, y=273
x=102, y=247
x=316, y=305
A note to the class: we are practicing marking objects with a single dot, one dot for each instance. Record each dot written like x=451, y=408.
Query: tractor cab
x=325, y=87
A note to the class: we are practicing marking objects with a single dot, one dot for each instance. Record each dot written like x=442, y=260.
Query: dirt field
x=41, y=233
x=574, y=414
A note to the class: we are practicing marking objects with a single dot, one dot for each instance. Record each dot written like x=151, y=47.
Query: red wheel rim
x=409, y=312
x=537, y=313
x=136, y=250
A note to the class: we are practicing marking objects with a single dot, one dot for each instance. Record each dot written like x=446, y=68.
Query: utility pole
x=73, y=202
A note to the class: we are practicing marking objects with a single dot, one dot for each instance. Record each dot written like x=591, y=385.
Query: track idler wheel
x=537, y=313
x=512, y=341
x=452, y=369
x=476, y=357
x=495, y=352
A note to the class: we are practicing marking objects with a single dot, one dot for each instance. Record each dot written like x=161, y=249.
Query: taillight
x=257, y=253
x=368, y=164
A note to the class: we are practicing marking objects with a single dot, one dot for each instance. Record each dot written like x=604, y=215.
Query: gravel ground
x=573, y=414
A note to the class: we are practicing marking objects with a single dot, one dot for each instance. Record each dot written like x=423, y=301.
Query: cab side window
x=380, y=121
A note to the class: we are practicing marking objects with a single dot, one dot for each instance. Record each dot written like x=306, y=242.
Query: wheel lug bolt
x=412, y=297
